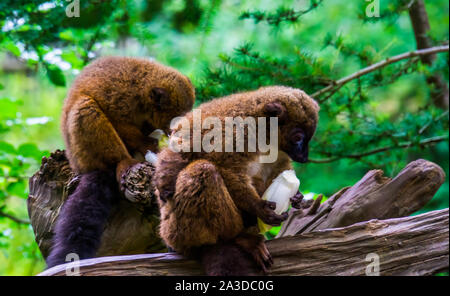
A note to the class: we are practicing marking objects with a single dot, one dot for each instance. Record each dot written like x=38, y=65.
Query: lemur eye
x=297, y=135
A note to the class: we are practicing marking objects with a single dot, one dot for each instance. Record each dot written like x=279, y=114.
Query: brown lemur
x=111, y=108
x=209, y=202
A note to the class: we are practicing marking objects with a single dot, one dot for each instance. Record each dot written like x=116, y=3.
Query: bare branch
x=424, y=128
x=425, y=142
x=388, y=61
x=13, y=218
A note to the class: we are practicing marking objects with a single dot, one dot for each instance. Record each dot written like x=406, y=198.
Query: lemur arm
x=246, y=198
x=135, y=140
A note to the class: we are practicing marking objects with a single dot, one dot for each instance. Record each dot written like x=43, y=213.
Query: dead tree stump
x=131, y=229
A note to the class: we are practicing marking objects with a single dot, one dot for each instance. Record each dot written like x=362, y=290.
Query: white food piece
x=151, y=157
x=309, y=195
x=283, y=187
x=156, y=134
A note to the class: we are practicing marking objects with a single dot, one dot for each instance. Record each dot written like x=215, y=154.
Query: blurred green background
x=224, y=47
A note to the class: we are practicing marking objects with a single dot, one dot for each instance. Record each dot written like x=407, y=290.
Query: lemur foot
x=255, y=246
x=136, y=185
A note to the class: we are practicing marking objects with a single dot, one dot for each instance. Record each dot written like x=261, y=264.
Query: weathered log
x=373, y=197
x=417, y=245
x=48, y=190
x=132, y=226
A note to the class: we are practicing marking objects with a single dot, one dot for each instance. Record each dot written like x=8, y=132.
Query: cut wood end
x=428, y=169
x=376, y=177
x=381, y=178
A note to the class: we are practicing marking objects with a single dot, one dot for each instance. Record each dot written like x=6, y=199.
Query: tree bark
x=421, y=26
x=417, y=245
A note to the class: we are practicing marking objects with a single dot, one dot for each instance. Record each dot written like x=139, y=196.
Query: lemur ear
x=276, y=109
x=160, y=96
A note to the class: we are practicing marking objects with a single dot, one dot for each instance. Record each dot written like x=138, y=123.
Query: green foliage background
x=224, y=46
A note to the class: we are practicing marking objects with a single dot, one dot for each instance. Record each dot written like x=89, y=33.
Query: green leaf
x=7, y=148
x=56, y=75
x=18, y=168
x=8, y=108
x=67, y=35
x=17, y=188
x=12, y=48
x=73, y=59
x=30, y=150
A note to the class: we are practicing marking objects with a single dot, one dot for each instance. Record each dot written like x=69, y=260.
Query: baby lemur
x=108, y=114
x=210, y=201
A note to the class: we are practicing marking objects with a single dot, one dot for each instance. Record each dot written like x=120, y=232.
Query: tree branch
x=281, y=15
x=424, y=128
x=339, y=83
x=421, y=26
x=424, y=142
x=13, y=218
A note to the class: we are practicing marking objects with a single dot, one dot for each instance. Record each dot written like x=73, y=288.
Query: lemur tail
x=83, y=217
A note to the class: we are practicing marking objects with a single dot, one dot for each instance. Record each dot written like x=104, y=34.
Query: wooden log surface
x=416, y=245
x=373, y=197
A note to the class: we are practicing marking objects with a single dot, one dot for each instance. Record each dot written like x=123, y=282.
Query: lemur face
x=297, y=145
x=297, y=117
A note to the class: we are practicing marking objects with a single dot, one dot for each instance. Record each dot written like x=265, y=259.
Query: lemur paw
x=266, y=212
x=296, y=200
